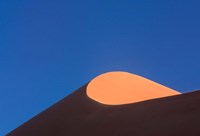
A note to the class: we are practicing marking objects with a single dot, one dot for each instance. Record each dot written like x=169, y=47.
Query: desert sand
x=115, y=88
x=80, y=115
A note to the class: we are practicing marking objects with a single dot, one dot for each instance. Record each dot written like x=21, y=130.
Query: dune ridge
x=116, y=88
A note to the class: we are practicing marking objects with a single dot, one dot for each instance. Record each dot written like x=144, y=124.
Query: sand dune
x=115, y=88
x=80, y=115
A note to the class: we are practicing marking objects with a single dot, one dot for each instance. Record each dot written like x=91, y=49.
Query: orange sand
x=116, y=88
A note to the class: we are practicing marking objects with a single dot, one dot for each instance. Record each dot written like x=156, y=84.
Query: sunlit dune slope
x=115, y=88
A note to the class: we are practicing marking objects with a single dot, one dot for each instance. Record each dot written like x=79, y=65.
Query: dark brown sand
x=78, y=115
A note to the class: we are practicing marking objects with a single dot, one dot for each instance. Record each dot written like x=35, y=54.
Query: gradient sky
x=50, y=48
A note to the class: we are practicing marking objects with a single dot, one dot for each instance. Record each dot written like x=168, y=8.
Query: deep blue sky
x=50, y=48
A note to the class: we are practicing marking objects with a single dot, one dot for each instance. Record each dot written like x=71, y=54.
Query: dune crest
x=116, y=88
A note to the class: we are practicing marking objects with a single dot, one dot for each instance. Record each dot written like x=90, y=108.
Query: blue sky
x=50, y=48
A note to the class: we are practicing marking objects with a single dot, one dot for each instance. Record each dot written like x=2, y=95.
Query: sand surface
x=116, y=88
x=78, y=115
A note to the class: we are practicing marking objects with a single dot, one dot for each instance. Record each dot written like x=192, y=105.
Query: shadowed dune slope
x=78, y=115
